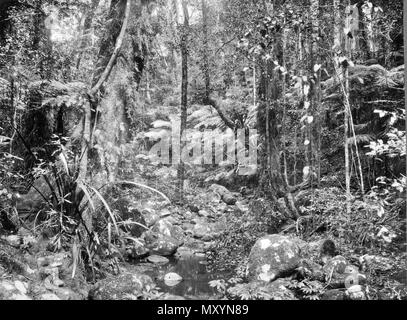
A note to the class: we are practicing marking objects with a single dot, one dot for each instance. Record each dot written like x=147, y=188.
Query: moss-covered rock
x=273, y=256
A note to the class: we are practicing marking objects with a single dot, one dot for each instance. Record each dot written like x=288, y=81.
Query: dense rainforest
x=202, y=149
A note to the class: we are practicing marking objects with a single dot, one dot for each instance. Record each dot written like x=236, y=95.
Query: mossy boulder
x=161, y=244
x=272, y=257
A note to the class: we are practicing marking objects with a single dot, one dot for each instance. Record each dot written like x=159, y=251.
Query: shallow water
x=195, y=274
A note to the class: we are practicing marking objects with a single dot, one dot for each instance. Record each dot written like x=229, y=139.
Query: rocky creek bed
x=169, y=261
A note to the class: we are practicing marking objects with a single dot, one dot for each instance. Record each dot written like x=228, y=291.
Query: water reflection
x=195, y=276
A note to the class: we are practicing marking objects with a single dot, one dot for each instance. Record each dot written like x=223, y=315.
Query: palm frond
x=106, y=206
x=146, y=187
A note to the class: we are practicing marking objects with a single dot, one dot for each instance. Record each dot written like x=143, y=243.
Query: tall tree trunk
x=110, y=48
x=206, y=68
x=337, y=24
x=269, y=93
x=316, y=61
x=346, y=138
x=344, y=81
x=14, y=109
x=346, y=130
x=86, y=142
x=254, y=84
x=42, y=42
x=369, y=30
x=405, y=55
x=148, y=89
x=363, y=38
x=184, y=97
x=284, y=126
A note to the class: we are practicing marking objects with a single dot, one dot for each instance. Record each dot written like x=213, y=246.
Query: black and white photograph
x=215, y=153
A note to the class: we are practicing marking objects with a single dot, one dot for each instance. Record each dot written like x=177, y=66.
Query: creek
x=195, y=277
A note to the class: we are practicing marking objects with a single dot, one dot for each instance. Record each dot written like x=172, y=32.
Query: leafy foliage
x=245, y=227
x=307, y=289
x=373, y=223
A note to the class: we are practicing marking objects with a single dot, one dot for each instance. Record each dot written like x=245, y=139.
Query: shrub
x=371, y=223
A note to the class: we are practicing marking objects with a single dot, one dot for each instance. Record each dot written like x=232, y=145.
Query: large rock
x=161, y=244
x=166, y=227
x=192, y=246
x=172, y=279
x=273, y=256
x=150, y=217
x=158, y=260
x=137, y=251
x=184, y=252
x=126, y=286
x=224, y=193
x=202, y=229
x=208, y=231
x=13, y=290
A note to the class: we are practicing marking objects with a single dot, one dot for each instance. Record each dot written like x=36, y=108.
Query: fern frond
x=360, y=138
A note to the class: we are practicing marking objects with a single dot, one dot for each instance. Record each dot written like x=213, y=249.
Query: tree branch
x=116, y=51
x=229, y=123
